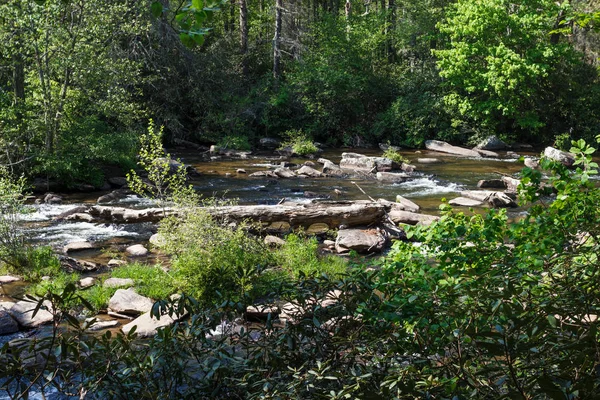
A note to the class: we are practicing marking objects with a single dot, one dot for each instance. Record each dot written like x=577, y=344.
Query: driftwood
x=332, y=213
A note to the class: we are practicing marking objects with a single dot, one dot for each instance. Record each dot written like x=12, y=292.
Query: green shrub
x=299, y=256
x=300, y=143
x=209, y=258
x=57, y=282
x=394, y=156
x=98, y=296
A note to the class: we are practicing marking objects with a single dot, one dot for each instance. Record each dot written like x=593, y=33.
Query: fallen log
x=334, y=213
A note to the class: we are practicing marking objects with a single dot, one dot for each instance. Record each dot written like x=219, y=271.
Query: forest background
x=80, y=79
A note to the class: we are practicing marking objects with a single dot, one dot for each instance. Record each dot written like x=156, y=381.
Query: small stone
x=137, y=250
x=77, y=246
x=8, y=279
x=100, y=325
x=118, y=282
x=85, y=283
x=116, y=263
x=328, y=243
x=273, y=241
x=45, y=278
x=240, y=171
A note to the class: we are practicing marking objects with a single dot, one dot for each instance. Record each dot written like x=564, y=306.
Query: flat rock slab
x=22, y=312
x=443, y=147
x=410, y=218
x=137, y=250
x=361, y=162
x=4, y=279
x=465, y=202
x=118, y=282
x=7, y=324
x=148, y=326
x=128, y=302
x=77, y=246
x=495, y=199
x=309, y=171
x=361, y=241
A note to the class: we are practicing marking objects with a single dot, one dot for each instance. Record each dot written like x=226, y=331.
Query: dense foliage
x=78, y=80
x=474, y=306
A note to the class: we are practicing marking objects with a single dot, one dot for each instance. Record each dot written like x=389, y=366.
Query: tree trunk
x=18, y=79
x=244, y=35
x=277, y=40
x=390, y=28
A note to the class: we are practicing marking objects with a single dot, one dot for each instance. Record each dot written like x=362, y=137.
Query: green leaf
x=197, y=4
x=552, y=320
x=156, y=9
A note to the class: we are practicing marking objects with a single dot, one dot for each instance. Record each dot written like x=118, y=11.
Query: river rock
x=4, y=279
x=361, y=241
x=495, y=199
x=408, y=168
x=77, y=246
x=240, y=171
x=411, y=218
x=79, y=217
x=261, y=313
x=273, y=241
x=85, y=283
x=157, y=240
x=511, y=184
x=100, y=325
x=309, y=172
x=6, y=305
x=128, y=302
x=437, y=145
x=330, y=168
x=75, y=210
x=491, y=184
x=465, y=202
x=51, y=198
x=113, y=196
x=285, y=173
x=263, y=174
x=147, y=325
x=393, y=177
x=563, y=157
x=487, y=153
x=491, y=142
x=269, y=143
x=137, y=250
x=405, y=204
x=362, y=163
x=117, y=263
x=71, y=264
x=22, y=312
x=118, y=282
x=531, y=162
x=7, y=324
x=118, y=181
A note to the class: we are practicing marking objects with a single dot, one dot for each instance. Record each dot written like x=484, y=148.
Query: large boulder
x=363, y=163
x=330, y=168
x=563, y=157
x=147, y=326
x=491, y=143
x=361, y=241
x=22, y=312
x=128, y=302
x=7, y=324
x=269, y=143
x=443, y=147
